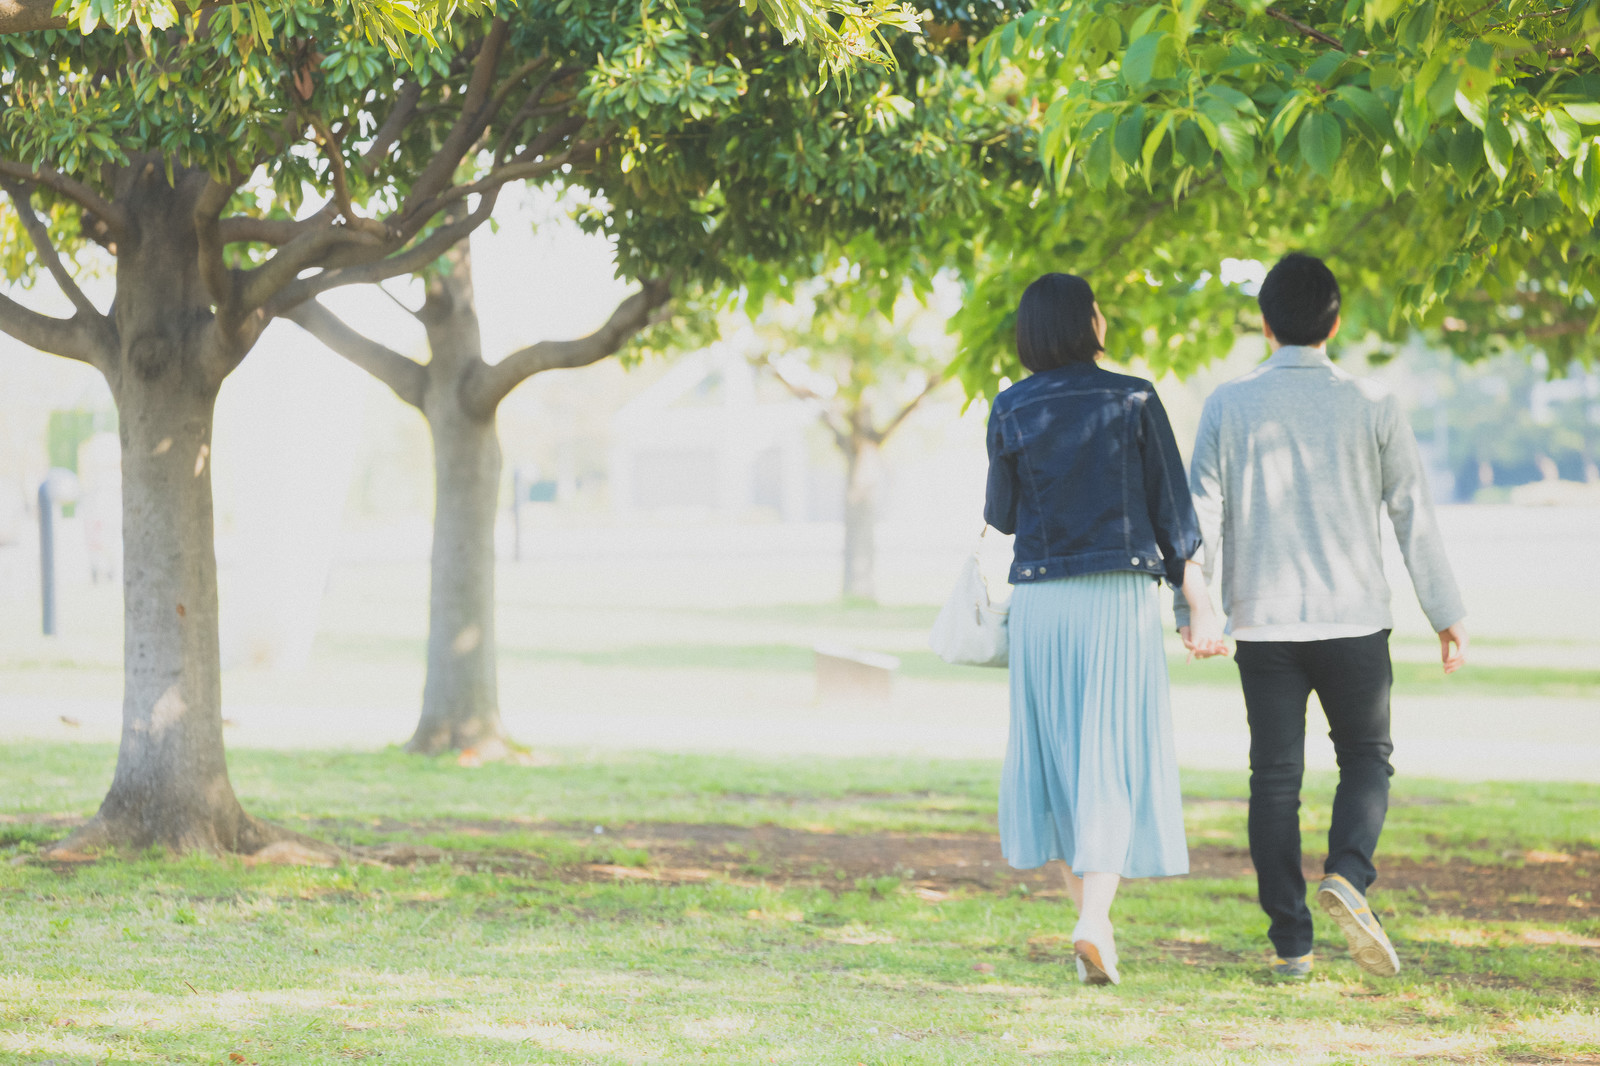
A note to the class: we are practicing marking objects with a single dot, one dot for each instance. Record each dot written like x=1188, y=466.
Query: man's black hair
x=1300, y=299
x=1055, y=323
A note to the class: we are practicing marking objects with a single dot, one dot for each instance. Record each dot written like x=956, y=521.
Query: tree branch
x=407, y=377
x=383, y=139
x=341, y=184
x=435, y=177
x=1309, y=31
x=488, y=385
x=530, y=106
x=219, y=280
x=409, y=261
x=881, y=435
x=265, y=282
x=66, y=337
x=238, y=229
x=74, y=190
x=829, y=417
x=39, y=234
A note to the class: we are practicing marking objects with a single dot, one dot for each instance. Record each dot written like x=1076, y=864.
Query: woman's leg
x=1092, y=939
x=1094, y=912
x=1074, y=887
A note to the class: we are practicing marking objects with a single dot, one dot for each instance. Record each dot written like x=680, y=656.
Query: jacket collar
x=1299, y=355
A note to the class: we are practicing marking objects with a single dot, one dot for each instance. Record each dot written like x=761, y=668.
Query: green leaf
x=1238, y=144
x=1232, y=97
x=1380, y=11
x=1368, y=108
x=1465, y=152
x=1130, y=130
x=1497, y=147
x=1325, y=66
x=1097, y=163
x=1139, y=64
x=1320, y=140
x=1472, y=95
x=1153, y=142
x=1283, y=118
x=1562, y=132
x=1587, y=113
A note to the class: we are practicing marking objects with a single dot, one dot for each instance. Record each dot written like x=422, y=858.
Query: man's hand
x=1457, y=635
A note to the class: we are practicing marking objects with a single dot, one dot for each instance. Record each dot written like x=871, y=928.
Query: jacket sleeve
x=1000, y=498
x=1405, y=496
x=1205, y=490
x=1167, y=491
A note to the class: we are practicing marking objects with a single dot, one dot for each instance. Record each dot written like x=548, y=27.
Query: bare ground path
x=1531, y=886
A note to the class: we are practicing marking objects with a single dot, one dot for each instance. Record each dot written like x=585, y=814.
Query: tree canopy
x=842, y=35
x=1445, y=155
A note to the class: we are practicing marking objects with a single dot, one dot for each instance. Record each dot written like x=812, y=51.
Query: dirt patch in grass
x=1538, y=887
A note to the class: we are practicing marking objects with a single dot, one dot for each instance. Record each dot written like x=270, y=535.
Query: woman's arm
x=1166, y=491
x=1000, y=497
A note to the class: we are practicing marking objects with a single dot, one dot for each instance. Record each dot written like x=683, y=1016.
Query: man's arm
x=1405, y=497
x=1205, y=489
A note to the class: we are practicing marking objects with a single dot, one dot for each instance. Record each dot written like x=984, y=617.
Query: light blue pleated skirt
x=1091, y=775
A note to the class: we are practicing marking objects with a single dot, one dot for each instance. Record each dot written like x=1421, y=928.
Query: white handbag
x=971, y=630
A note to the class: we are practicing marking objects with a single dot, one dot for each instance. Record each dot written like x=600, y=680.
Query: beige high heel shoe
x=1096, y=965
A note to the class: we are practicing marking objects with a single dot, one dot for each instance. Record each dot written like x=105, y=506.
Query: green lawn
x=516, y=948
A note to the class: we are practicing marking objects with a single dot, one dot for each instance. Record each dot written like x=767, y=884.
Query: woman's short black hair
x=1300, y=299
x=1055, y=323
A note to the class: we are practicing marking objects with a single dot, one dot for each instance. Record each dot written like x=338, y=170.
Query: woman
x=1084, y=470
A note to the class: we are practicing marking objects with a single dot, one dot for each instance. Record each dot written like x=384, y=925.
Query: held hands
x=1457, y=635
x=1203, y=639
x=1203, y=635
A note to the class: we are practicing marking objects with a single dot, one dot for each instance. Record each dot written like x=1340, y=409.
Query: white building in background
x=704, y=439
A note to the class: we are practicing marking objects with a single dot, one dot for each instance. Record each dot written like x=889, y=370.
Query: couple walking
x=1291, y=467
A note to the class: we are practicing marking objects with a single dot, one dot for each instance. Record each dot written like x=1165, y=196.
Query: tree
x=187, y=157
x=842, y=35
x=459, y=393
x=758, y=186
x=866, y=372
x=1445, y=154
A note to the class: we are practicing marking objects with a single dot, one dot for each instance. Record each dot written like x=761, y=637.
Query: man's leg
x=1352, y=678
x=1275, y=690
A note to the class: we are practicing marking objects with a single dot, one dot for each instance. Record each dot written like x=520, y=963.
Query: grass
x=464, y=961
x=467, y=960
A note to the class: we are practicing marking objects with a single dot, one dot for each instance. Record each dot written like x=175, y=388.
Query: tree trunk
x=171, y=784
x=863, y=474
x=460, y=698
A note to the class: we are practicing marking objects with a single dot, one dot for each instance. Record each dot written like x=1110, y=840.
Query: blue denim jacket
x=1084, y=470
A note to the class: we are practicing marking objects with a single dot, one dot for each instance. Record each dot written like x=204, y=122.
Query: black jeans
x=1351, y=677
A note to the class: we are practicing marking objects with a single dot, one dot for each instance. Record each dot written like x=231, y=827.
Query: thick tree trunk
x=171, y=783
x=863, y=474
x=460, y=698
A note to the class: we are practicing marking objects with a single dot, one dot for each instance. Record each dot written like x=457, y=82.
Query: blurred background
x=670, y=546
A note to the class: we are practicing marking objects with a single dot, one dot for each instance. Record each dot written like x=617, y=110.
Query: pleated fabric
x=1091, y=775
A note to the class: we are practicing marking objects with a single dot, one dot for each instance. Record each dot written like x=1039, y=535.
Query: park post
x=47, y=556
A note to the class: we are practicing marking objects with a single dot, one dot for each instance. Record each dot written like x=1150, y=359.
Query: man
x=1291, y=466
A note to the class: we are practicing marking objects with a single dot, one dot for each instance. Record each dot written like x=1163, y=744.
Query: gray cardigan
x=1291, y=464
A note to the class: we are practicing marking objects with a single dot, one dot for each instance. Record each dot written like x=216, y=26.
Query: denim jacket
x=1084, y=470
